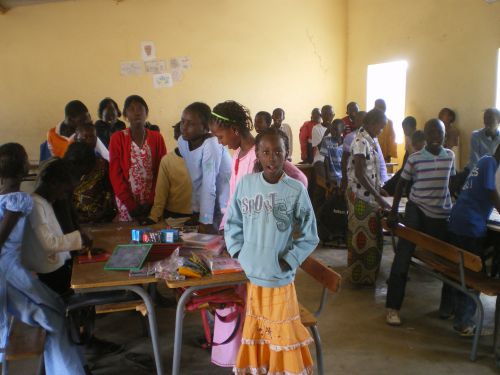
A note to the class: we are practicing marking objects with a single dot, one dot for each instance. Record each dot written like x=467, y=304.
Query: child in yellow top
x=173, y=187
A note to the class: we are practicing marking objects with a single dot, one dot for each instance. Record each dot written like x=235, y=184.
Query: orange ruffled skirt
x=274, y=341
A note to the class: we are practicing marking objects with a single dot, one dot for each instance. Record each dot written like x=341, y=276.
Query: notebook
x=128, y=257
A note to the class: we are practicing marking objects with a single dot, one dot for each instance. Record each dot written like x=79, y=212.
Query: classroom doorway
x=388, y=81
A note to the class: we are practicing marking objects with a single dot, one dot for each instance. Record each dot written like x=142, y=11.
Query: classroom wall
x=451, y=47
x=263, y=53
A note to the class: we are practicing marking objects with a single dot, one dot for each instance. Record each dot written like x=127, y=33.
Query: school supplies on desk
x=128, y=257
x=148, y=235
x=94, y=258
x=210, y=242
x=221, y=264
x=92, y=255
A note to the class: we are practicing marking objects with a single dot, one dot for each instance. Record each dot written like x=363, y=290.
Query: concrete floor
x=356, y=339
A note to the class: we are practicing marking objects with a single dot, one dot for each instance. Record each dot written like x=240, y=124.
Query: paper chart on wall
x=176, y=75
x=180, y=63
x=148, y=51
x=162, y=80
x=155, y=66
x=131, y=68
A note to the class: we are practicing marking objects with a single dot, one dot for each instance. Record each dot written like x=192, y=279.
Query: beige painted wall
x=451, y=47
x=263, y=53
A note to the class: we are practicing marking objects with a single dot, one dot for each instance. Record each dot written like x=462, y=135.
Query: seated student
x=262, y=121
x=331, y=149
x=305, y=136
x=109, y=120
x=352, y=109
x=429, y=205
x=452, y=137
x=86, y=133
x=173, y=187
x=46, y=249
x=209, y=166
x=60, y=137
x=135, y=155
x=346, y=152
x=92, y=198
x=486, y=140
x=22, y=295
x=467, y=227
x=387, y=139
x=278, y=118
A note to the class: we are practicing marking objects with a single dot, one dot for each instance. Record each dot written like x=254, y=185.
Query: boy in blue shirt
x=467, y=227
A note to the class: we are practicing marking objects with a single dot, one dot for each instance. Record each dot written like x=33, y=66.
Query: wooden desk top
x=107, y=236
x=93, y=275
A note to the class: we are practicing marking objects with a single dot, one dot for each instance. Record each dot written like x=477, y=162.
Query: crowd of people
x=105, y=171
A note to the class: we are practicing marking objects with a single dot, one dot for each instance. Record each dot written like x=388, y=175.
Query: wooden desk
x=192, y=285
x=92, y=277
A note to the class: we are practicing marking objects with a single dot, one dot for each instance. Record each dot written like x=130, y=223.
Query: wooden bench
x=330, y=280
x=456, y=267
x=24, y=342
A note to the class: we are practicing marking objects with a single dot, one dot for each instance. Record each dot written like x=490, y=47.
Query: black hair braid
x=236, y=115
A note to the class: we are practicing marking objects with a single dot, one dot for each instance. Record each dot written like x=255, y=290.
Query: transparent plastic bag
x=167, y=268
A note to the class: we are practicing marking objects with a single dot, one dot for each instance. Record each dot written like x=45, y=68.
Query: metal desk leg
x=496, y=339
x=179, y=321
x=153, y=327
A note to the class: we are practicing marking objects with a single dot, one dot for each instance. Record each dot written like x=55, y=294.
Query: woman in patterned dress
x=364, y=236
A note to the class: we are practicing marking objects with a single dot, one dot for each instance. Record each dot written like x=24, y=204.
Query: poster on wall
x=162, y=80
x=131, y=68
x=148, y=51
x=176, y=75
x=155, y=66
x=183, y=63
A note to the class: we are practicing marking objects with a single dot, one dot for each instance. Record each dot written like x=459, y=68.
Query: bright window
x=498, y=80
x=388, y=81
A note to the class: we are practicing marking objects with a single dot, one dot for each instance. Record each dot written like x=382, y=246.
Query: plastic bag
x=168, y=268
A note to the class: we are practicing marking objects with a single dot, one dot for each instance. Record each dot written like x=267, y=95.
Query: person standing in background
x=387, y=139
x=278, y=118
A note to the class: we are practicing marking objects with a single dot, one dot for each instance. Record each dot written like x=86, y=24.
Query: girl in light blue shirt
x=266, y=209
x=209, y=166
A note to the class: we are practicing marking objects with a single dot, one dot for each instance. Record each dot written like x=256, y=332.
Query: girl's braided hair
x=231, y=114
